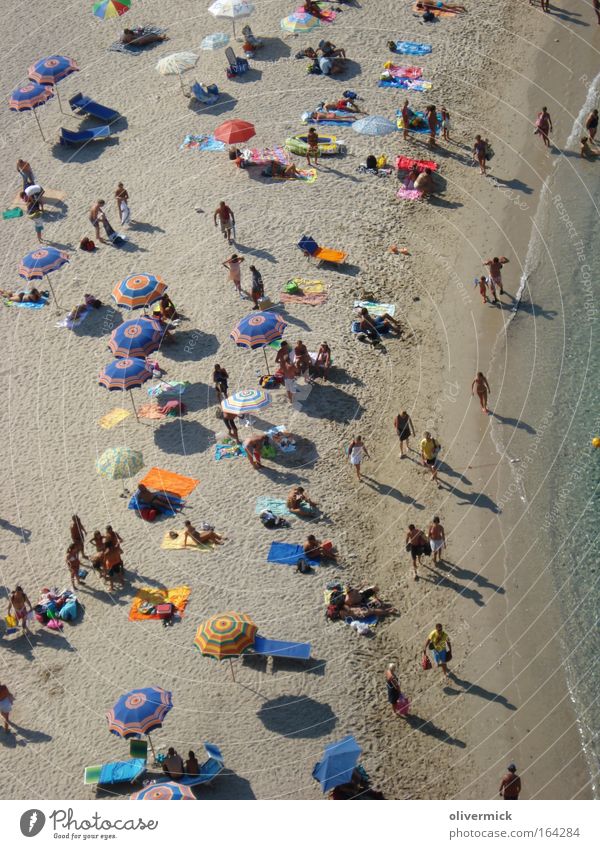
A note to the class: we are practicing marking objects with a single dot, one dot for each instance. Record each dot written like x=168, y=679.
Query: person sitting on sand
x=147, y=498
x=317, y=550
x=166, y=309
x=173, y=764
x=279, y=170
x=322, y=362
x=424, y=182
x=31, y=297
x=380, y=322
x=299, y=502
x=326, y=64
x=192, y=767
x=312, y=8
x=356, y=612
x=201, y=537
x=329, y=49
x=586, y=151
x=141, y=38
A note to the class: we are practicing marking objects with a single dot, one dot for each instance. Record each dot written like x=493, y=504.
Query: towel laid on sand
x=260, y=156
x=303, y=175
x=113, y=418
x=134, y=49
x=169, y=482
x=308, y=287
x=176, y=544
x=229, y=451
x=277, y=506
x=409, y=72
x=70, y=323
x=173, y=387
x=309, y=300
x=376, y=308
x=151, y=411
x=177, y=596
x=177, y=504
x=405, y=83
x=413, y=48
x=405, y=163
x=418, y=123
x=201, y=142
x=26, y=305
x=409, y=194
x=288, y=554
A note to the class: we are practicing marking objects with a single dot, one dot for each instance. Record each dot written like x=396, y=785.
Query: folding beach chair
x=86, y=106
x=309, y=247
x=138, y=749
x=115, y=772
x=237, y=66
x=83, y=136
x=281, y=648
x=208, y=96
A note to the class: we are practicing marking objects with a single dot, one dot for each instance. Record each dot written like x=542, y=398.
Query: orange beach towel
x=177, y=596
x=163, y=481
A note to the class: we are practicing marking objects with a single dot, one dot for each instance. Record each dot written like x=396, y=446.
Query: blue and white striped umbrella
x=246, y=401
x=136, y=338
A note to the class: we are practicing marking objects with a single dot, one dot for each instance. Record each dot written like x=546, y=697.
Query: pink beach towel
x=409, y=194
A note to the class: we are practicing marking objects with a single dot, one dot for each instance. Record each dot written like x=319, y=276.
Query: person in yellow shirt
x=429, y=452
x=441, y=648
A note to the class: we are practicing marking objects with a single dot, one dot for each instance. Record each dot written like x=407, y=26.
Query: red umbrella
x=234, y=132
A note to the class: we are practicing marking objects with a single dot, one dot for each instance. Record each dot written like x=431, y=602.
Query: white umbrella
x=176, y=63
x=234, y=10
x=215, y=41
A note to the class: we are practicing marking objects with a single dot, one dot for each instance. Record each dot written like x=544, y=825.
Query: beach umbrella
x=138, y=291
x=169, y=791
x=235, y=132
x=374, y=125
x=119, y=463
x=246, y=401
x=139, y=337
x=51, y=70
x=215, y=41
x=125, y=375
x=111, y=8
x=139, y=712
x=299, y=23
x=233, y=10
x=30, y=96
x=225, y=636
x=176, y=63
x=338, y=763
x=257, y=330
x=37, y=264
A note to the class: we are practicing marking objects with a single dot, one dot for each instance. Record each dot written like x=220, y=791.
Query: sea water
x=549, y=352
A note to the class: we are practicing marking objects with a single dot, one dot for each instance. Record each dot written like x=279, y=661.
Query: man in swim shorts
x=226, y=219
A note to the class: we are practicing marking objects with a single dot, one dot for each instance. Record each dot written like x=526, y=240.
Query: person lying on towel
x=31, y=297
x=146, y=498
x=201, y=537
x=140, y=38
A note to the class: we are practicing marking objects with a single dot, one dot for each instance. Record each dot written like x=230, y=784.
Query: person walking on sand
x=429, y=454
x=25, y=172
x=406, y=116
x=482, y=282
x=393, y=685
x=439, y=643
x=290, y=373
x=480, y=153
x=404, y=429
x=416, y=545
x=495, y=266
x=19, y=602
x=510, y=785
x=543, y=124
x=234, y=266
x=96, y=217
x=226, y=220
x=432, y=122
x=73, y=563
x=356, y=451
x=122, y=201
x=78, y=533
x=253, y=447
x=258, y=289
x=445, y=123
x=437, y=539
x=482, y=387
x=6, y=703
x=312, y=146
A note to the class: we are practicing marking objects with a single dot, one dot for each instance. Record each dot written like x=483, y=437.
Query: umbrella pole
x=151, y=746
x=231, y=668
x=125, y=492
x=59, y=103
x=267, y=362
x=39, y=125
x=53, y=292
x=133, y=405
x=181, y=84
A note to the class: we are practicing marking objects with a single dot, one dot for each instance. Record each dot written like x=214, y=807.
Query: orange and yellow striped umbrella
x=225, y=635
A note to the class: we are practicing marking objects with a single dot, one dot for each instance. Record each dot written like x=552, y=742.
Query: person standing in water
x=482, y=387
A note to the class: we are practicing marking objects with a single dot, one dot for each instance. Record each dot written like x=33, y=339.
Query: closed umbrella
x=233, y=10
x=139, y=337
x=41, y=262
x=51, y=70
x=246, y=401
x=338, y=763
x=139, y=712
x=225, y=636
x=138, y=291
x=30, y=96
x=374, y=125
x=258, y=331
x=300, y=23
x=111, y=8
x=165, y=791
x=235, y=132
x=119, y=463
x=215, y=41
x=176, y=63
x=125, y=375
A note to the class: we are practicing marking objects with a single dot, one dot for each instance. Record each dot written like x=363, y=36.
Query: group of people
x=419, y=543
x=108, y=557
x=98, y=216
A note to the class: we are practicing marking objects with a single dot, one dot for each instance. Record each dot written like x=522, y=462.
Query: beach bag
x=425, y=663
x=87, y=245
x=382, y=161
x=55, y=625
x=402, y=706
x=327, y=546
x=303, y=567
x=69, y=611
x=268, y=451
x=291, y=288
x=448, y=655
x=351, y=95
x=164, y=611
x=148, y=514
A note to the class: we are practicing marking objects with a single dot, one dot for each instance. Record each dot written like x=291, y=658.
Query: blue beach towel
x=201, y=142
x=406, y=84
x=177, y=503
x=229, y=451
x=412, y=48
x=288, y=554
x=424, y=128
x=277, y=506
x=27, y=305
x=377, y=321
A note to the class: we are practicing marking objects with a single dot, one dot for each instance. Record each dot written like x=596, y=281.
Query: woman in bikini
x=19, y=602
x=543, y=125
x=482, y=387
x=479, y=153
x=73, y=563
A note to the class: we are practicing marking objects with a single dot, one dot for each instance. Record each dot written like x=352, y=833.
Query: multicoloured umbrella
x=338, y=763
x=257, y=330
x=119, y=463
x=139, y=337
x=246, y=401
x=37, y=264
x=374, y=125
x=138, y=291
x=168, y=791
x=225, y=636
x=139, y=712
x=215, y=41
x=125, y=374
x=235, y=132
x=233, y=10
x=111, y=8
x=300, y=23
x=51, y=70
x=30, y=96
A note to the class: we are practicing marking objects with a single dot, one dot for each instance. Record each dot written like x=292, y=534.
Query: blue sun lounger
x=115, y=772
x=281, y=648
x=85, y=105
x=83, y=136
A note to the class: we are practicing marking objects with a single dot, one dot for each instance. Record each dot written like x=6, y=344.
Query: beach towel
x=405, y=163
x=308, y=300
x=176, y=544
x=201, y=142
x=418, y=122
x=379, y=326
x=303, y=175
x=27, y=305
x=277, y=506
x=334, y=117
x=368, y=620
x=177, y=596
x=308, y=287
x=134, y=49
x=15, y=212
x=327, y=15
x=177, y=504
x=376, y=308
x=409, y=194
x=169, y=482
x=413, y=48
x=261, y=156
x=70, y=323
x=151, y=411
x=439, y=13
x=288, y=554
x=405, y=83
x=174, y=387
x=229, y=451
x=410, y=72
x=113, y=418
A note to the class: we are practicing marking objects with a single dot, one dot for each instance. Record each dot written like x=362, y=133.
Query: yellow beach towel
x=113, y=418
x=176, y=543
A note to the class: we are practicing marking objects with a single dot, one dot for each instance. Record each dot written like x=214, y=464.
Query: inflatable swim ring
x=328, y=145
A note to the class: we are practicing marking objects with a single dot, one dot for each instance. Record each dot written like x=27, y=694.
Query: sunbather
x=326, y=64
x=385, y=321
x=329, y=49
x=279, y=170
x=73, y=563
x=202, y=537
x=166, y=308
x=141, y=38
x=317, y=550
x=369, y=596
x=173, y=764
x=323, y=361
x=31, y=297
x=424, y=182
x=147, y=498
x=192, y=767
x=438, y=7
x=299, y=502
x=345, y=104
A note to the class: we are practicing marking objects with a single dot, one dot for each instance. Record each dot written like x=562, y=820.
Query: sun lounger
x=208, y=96
x=310, y=248
x=281, y=648
x=237, y=66
x=83, y=136
x=85, y=105
x=115, y=772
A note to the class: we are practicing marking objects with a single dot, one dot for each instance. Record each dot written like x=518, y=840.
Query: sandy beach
x=509, y=699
